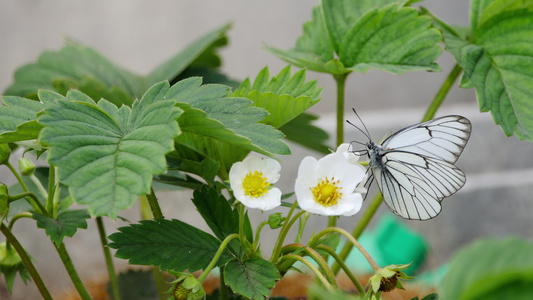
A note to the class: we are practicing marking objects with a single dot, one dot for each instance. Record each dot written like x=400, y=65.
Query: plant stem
x=430, y=113
x=284, y=231
x=51, y=191
x=213, y=262
x=347, y=271
x=359, y=228
x=35, y=204
x=311, y=267
x=441, y=94
x=341, y=81
x=16, y=174
x=154, y=205
x=108, y=260
x=39, y=185
x=293, y=248
x=223, y=290
x=149, y=207
x=27, y=261
x=242, y=237
x=258, y=235
x=352, y=240
x=63, y=254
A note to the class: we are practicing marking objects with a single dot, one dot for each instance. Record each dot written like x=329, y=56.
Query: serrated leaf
x=218, y=214
x=498, y=61
x=209, y=116
x=283, y=96
x=105, y=155
x=341, y=15
x=169, y=244
x=73, y=62
x=66, y=224
x=252, y=278
x=387, y=37
x=490, y=269
x=392, y=39
x=19, y=119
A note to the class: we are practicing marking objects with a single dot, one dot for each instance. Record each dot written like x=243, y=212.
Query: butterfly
x=414, y=167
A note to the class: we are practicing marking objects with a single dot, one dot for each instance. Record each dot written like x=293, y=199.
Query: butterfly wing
x=416, y=168
x=442, y=138
x=413, y=186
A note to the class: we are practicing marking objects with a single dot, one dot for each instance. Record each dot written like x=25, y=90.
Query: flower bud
x=26, y=166
x=275, y=220
x=5, y=152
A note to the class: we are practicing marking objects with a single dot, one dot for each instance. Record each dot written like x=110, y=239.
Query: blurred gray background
x=138, y=35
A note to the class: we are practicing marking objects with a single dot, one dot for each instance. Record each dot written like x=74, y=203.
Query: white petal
x=268, y=201
x=271, y=170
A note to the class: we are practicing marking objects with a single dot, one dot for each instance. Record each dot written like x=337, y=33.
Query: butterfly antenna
x=366, y=132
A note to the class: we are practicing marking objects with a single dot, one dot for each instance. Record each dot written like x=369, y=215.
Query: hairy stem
x=108, y=260
x=27, y=261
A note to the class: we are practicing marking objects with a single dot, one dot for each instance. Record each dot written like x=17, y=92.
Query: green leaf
x=66, y=224
x=209, y=116
x=490, y=269
x=216, y=212
x=365, y=34
x=74, y=62
x=284, y=97
x=392, y=39
x=219, y=216
x=301, y=130
x=169, y=244
x=341, y=15
x=19, y=119
x=105, y=155
x=252, y=278
x=137, y=285
x=200, y=53
x=498, y=61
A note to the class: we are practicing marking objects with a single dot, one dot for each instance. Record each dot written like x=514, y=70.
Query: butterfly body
x=414, y=167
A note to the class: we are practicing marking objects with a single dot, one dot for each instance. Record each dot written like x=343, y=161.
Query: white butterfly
x=414, y=167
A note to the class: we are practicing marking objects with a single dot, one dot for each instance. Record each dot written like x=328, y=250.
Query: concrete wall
x=139, y=35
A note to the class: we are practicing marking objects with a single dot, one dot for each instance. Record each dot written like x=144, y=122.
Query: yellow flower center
x=326, y=192
x=255, y=184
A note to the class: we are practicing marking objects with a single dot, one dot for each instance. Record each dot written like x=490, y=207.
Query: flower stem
x=108, y=259
x=242, y=237
x=347, y=271
x=430, y=113
x=63, y=254
x=258, y=234
x=284, y=231
x=213, y=262
x=359, y=228
x=35, y=204
x=293, y=248
x=311, y=267
x=27, y=261
x=352, y=240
